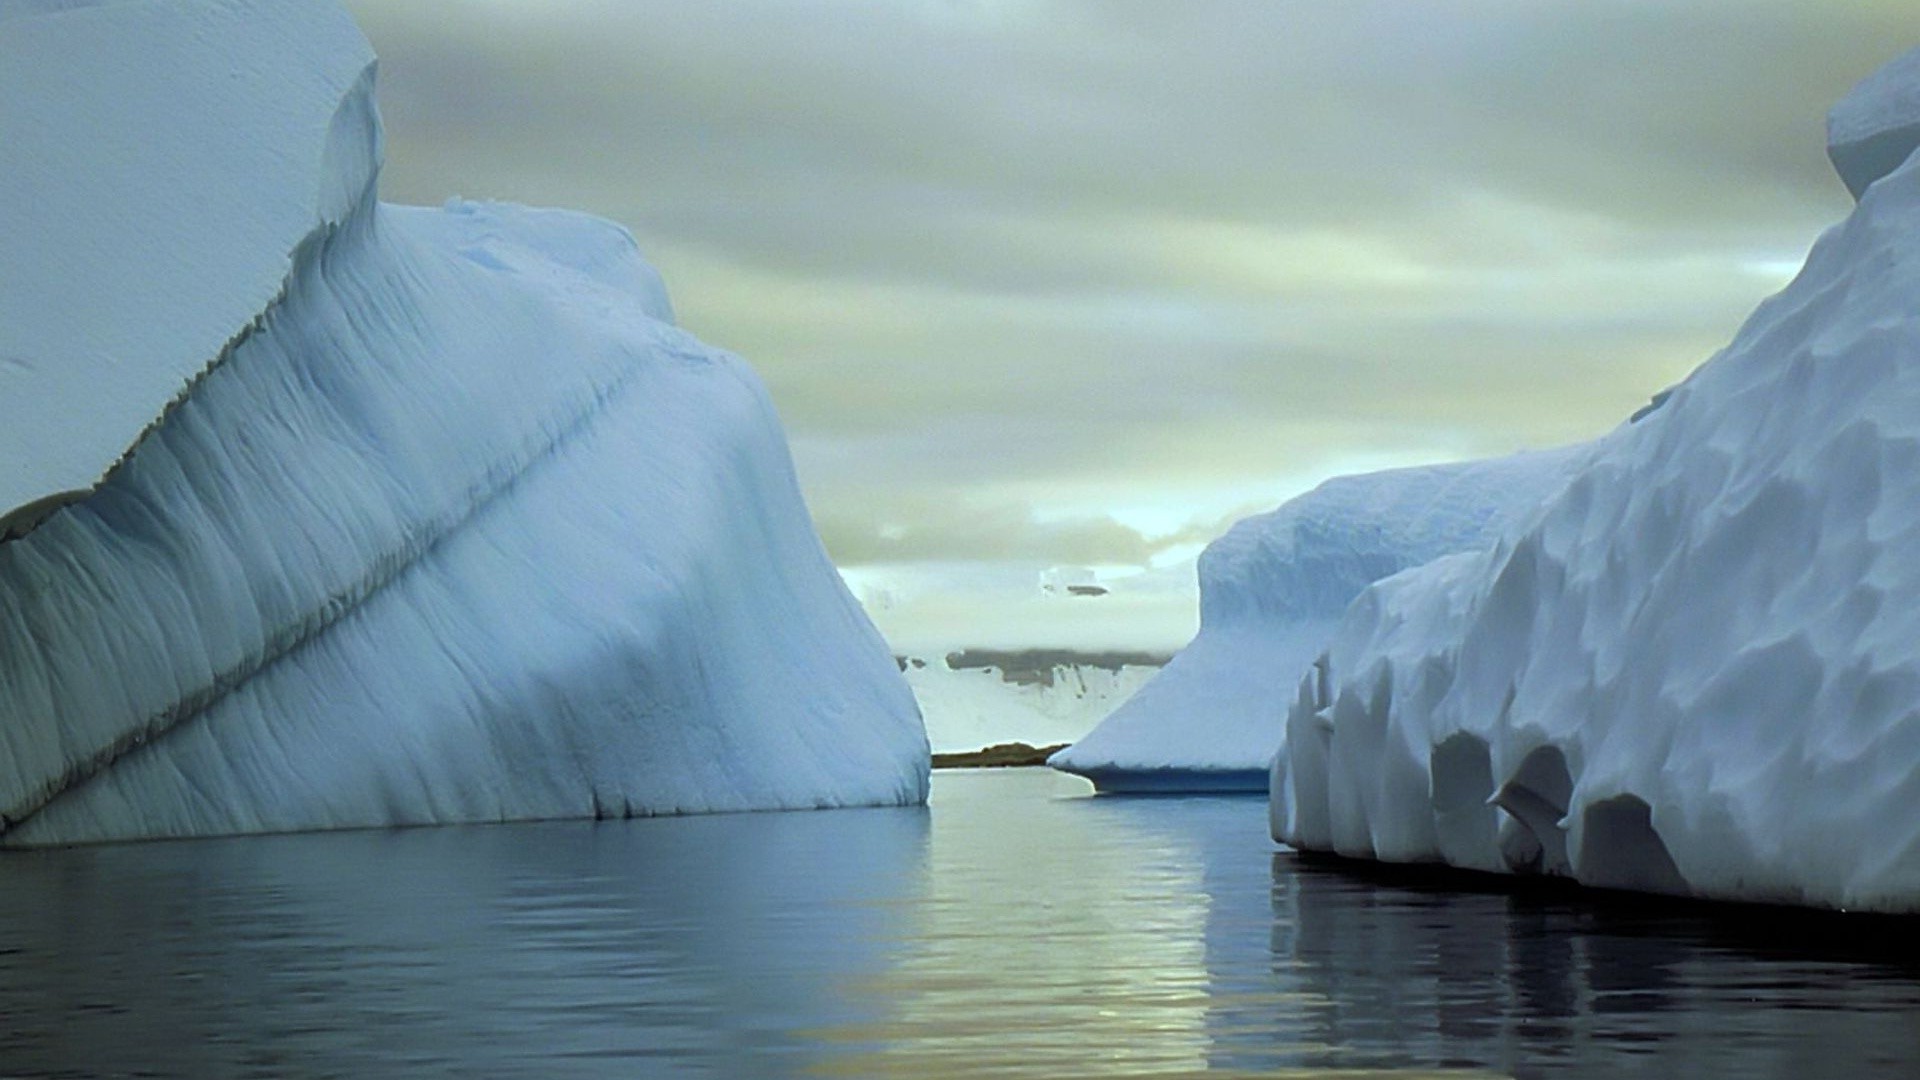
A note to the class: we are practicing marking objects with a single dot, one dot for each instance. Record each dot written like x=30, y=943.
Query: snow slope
x=453, y=525
x=1698, y=670
x=1271, y=591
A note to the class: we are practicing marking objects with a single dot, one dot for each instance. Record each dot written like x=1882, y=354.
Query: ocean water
x=1017, y=927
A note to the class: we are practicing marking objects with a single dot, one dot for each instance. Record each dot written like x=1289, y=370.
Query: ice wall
x=1698, y=671
x=1271, y=591
x=455, y=525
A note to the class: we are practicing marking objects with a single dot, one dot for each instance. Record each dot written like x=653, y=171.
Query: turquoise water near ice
x=1016, y=927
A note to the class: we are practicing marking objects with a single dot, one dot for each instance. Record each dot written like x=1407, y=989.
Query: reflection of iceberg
x=1254, y=1012
x=1271, y=590
x=1400, y=977
x=445, y=520
x=717, y=945
x=1697, y=669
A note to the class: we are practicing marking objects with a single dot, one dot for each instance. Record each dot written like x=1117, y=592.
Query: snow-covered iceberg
x=1697, y=671
x=1271, y=591
x=408, y=515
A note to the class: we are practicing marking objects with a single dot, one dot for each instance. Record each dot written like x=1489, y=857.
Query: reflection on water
x=1017, y=928
x=688, y=946
x=1578, y=986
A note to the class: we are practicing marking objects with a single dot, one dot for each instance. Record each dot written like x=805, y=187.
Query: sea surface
x=1017, y=927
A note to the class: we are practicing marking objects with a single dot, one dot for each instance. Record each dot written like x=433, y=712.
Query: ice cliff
x=1697, y=671
x=1271, y=591
x=333, y=513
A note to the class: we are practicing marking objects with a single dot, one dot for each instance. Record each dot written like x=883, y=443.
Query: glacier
x=332, y=513
x=1697, y=670
x=1271, y=591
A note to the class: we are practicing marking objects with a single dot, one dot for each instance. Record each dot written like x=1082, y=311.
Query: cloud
x=917, y=529
x=1022, y=276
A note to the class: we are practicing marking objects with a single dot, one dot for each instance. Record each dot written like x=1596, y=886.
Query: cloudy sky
x=1040, y=282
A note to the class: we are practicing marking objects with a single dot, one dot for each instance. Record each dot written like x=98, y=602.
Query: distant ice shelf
x=972, y=700
x=377, y=515
x=1697, y=670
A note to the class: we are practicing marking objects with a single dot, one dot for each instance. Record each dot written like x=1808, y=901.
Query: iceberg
x=1697, y=670
x=1271, y=591
x=332, y=513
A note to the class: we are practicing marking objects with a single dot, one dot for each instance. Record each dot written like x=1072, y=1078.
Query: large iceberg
x=1271, y=591
x=331, y=513
x=1697, y=671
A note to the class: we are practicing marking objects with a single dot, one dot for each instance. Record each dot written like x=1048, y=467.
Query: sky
x=1047, y=283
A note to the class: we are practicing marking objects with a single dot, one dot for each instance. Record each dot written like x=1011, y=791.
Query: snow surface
x=458, y=528
x=971, y=708
x=1271, y=591
x=1698, y=670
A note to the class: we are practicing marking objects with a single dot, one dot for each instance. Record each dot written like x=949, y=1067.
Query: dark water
x=1017, y=928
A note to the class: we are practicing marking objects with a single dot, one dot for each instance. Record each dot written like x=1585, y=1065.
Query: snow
x=1876, y=127
x=1698, y=669
x=453, y=525
x=967, y=708
x=1271, y=591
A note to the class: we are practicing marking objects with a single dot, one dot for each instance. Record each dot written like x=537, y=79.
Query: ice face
x=1696, y=671
x=456, y=526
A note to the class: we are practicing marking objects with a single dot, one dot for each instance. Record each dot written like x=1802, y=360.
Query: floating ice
x=1698, y=670
x=1271, y=591
x=444, y=519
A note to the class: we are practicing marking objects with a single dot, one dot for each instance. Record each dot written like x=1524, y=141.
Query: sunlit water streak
x=1016, y=928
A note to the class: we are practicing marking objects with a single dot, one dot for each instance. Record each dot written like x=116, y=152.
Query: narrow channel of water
x=1018, y=927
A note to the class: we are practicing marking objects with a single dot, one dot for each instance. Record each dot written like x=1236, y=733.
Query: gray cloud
x=1032, y=258
x=917, y=530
